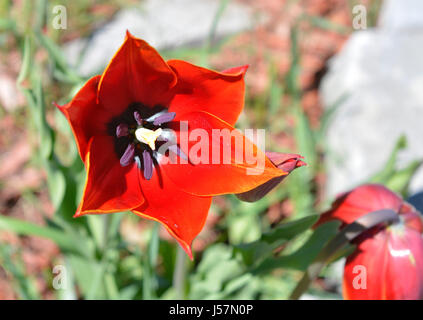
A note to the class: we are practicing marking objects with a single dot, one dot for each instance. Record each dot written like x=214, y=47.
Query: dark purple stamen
x=176, y=150
x=138, y=118
x=163, y=118
x=148, y=165
x=122, y=130
x=128, y=156
x=139, y=152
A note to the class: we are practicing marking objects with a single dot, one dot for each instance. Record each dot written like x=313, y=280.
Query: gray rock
x=382, y=74
x=164, y=24
x=401, y=15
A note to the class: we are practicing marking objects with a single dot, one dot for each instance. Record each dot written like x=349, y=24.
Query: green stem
x=212, y=33
x=150, y=262
x=106, y=232
x=111, y=224
x=179, y=274
x=111, y=286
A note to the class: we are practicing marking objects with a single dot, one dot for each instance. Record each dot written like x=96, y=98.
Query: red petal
x=390, y=257
x=360, y=201
x=182, y=214
x=411, y=217
x=393, y=260
x=137, y=73
x=109, y=187
x=206, y=178
x=236, y=70
x=404, y=276
x=85, y=116
x=200, y=89
x=368, y=264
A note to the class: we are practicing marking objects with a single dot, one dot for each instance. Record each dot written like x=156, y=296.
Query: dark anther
x=164, y=117
x=148, y=164
x=138, y=118
x=140, y=132
x=122, y=130
x=128, y=156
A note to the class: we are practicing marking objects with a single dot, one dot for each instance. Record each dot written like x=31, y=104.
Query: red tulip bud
x=388, y=261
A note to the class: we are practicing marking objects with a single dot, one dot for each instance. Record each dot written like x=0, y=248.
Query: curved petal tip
x=237, y=70
x=286, y=162
x=187, y=248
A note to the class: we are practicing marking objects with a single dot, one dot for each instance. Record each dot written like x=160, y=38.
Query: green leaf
x=34, y=95
x=89, y=275
x=290, y=229
x=212, y=32
x=275, y=94
x=40, y=14
x=56, y=183
x=26, y=61
x=301, y=259
x=96, y=226
x=304, y=137
x=63, y=240
x=217, y=268
x=396, y=179
x=299, y=183
x=24, y=285
x=58, y=58
x=149, y=263
x=68, y=292
x=243, y=227
x=389, y=168
x=340, y=243
x=254, y=251
x=327, y=117
x=292, y=78
x=111, y=286
x=129, y=292
x=400, y=180
x=327, y=24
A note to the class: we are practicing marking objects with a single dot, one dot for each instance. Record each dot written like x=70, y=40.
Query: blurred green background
x=246, y=250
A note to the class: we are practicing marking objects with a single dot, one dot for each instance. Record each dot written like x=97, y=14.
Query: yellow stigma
x=148, y=136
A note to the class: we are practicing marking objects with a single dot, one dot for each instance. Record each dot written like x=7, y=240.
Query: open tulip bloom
x=157, y=139
x=388, y=261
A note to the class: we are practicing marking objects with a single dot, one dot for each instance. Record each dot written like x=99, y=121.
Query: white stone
x=164, y=24
x=382, y=73
x=402, y=15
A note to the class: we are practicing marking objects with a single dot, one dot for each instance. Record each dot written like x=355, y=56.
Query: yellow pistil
x=148, y=136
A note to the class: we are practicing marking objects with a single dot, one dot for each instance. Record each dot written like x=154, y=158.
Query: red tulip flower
x=122, y=119
x=388, y=261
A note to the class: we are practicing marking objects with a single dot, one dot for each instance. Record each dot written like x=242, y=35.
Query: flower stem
x=106, y=232
x=179, y=274
x=150, y=263
x=110, y=228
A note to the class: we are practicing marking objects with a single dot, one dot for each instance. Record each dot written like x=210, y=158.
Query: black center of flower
x=140, y=134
